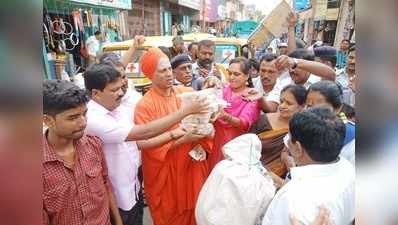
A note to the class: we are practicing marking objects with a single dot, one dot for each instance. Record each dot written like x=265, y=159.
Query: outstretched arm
x=156, y=127
x=326, y=72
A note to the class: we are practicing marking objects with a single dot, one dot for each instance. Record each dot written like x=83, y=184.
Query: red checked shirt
x=77, y=196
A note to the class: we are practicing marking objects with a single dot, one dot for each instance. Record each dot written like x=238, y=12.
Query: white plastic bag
x=201, y=122
x=238, y=190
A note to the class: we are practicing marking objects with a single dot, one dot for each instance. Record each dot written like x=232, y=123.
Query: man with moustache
x=298, y=68
x=76, y=187
x=173, y=177
x=347, y=79
x=204, y=67
x=107, y=120
x=182, y=70
x=342, y=54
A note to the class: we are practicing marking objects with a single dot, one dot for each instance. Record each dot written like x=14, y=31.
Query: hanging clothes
x=78, y=22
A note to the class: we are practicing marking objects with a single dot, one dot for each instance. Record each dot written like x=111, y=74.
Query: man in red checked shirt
x=76, y=188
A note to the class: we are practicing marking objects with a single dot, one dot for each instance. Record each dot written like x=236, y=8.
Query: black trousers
x=136, y=214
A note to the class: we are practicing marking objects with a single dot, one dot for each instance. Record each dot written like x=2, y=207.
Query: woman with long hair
x=273, y=127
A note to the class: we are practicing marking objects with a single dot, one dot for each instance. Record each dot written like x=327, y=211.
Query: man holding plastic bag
x=174, y=163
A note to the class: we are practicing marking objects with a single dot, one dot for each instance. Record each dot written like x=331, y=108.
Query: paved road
x=147, y=217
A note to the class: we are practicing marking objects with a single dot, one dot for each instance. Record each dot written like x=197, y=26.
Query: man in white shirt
x=321, y=177
x=93, y=46
x=346, y=78
x=111, y=122
x=297, y=68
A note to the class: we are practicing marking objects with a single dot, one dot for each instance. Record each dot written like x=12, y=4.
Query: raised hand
x=292, y=19
x=139, y=40
x=284, y=62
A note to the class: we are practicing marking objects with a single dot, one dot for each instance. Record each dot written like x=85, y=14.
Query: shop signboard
x=193, y=4
x=120, y=4
x=210, y=11
x=321, y=10
x=300, y=5
x=332, y=14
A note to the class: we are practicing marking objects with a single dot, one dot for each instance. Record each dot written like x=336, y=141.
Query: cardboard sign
x=271, y=26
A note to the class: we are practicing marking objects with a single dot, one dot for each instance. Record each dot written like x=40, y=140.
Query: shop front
x=67, y=25
x=180, y=13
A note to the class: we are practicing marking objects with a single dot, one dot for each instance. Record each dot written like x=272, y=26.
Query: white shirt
x=282, y=81
x=257, y=84
x=331, y=185
x=93, y=45
x=121, y=157
x=344, y=81
x=129, y=101
x=196, y=75
x=342, y=78
x=348, y=152
x=285, y=80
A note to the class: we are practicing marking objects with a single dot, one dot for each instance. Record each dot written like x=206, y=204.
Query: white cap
x=283, y=44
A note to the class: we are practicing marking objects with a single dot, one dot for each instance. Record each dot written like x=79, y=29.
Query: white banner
x=120, y=4
x=193, y=4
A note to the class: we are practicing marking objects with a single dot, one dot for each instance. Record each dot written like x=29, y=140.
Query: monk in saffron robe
x=172, y=178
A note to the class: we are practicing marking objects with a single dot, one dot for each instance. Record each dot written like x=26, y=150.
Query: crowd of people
x=107, y=148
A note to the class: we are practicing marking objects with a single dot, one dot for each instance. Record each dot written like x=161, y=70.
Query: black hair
x=351, y=49
x=254, y=64
x=192, y=44
x=349, y=111
x=299, y=92
x=97, y=32
x=97, y=76
x=166, y=51
x=302, y=53
x=346, y=40
x=206, y=43
x=60, y=95
x=331, y=59
x=268, y=57
x=111, y=58
x=320, y=131
x=244, y=66
x=300, y=43
x=330, y=90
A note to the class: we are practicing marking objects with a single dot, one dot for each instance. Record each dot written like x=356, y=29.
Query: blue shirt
x=349, y=132
x=341, y=60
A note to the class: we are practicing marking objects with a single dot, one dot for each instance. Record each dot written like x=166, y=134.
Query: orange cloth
x=172, y=178
x=150, y=60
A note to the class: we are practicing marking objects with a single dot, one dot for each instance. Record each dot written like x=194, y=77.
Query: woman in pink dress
x=238, y=117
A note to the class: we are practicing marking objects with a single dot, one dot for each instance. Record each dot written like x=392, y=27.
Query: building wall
x=343, y=17
x=145, y=22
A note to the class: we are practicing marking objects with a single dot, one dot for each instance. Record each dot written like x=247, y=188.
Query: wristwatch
x=295, y=63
